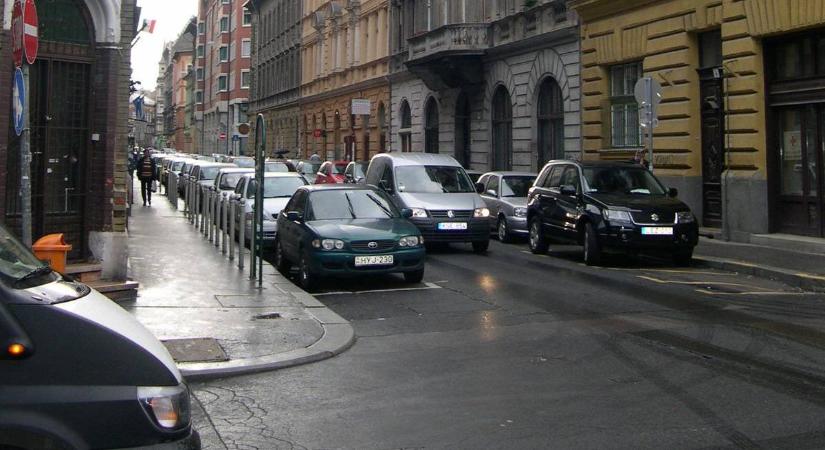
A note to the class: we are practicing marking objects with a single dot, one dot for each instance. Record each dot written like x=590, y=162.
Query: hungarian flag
x=149, y=25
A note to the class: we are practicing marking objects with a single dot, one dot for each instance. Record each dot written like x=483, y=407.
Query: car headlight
x=481, y=212
x=331, y=244
x=419, y=213
x=410, y=241
x=520, y=212
x=612, y=215
x=685, y=217
x=169, y=406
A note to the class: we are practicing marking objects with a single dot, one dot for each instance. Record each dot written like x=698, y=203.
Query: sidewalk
x=794, y=260
x=213, y=319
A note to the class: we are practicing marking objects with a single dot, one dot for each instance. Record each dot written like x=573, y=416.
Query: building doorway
x=712, y=119
x=462, y=130
x=502, y=130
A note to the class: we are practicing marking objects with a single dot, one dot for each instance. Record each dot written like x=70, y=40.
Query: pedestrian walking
x=146, y=174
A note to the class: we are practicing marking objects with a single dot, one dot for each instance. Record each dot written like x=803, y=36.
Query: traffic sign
x=17, y=32
x=18, y=101
x=222, y=136
x=648, y=93
x=31, y=41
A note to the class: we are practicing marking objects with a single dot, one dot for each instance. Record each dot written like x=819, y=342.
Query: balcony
x=449, y=56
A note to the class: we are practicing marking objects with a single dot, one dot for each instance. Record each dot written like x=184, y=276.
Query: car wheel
x=414, y=277
x=592, y=252
x=281, y=263
x=683, y=257
x=503, y=230
x=538, y=243
x=481, y=246
x=305, y=276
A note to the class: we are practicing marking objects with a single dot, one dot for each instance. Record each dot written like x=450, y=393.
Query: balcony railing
x=461, y=38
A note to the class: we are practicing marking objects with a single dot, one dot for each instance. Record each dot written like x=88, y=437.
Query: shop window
x=624, y=111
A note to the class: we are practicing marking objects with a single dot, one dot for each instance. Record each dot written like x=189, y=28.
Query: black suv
x=608, y=205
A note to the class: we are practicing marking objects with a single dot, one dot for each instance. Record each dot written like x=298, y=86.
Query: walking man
x=146, y=174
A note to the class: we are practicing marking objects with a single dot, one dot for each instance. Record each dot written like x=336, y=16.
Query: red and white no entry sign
x=31, y=41
x=17, y=32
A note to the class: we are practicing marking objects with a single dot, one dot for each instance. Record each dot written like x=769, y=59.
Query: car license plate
x=379, y=260
x=452, y=226
x=657, y=231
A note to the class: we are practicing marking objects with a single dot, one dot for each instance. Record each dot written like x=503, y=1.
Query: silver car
x=505, y=194
x=278, y=189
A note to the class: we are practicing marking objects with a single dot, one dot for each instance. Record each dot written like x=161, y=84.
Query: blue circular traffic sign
x=18, y=101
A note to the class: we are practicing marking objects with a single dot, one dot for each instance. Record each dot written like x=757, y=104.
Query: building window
x=431, y=126
x=222, y=83
x=502, y=129
x=246, y=48
x=224, y=24
x=199, y=74
x=624, y=111
x=199, y=97
x=200, y=51
x=201, y=28
x=550, y=117
x=245, y=79
x=223, y=54
x=247, y=18
x=405, y=131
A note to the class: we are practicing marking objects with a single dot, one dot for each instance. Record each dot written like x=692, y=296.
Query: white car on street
x=278, y=189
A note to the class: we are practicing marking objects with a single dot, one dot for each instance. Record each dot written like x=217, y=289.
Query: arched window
x=550, y=116
x=462, y=130
x=382, y=137
x=431, y=127
x=324, y=141
x=336, y=125
x=502, y=130
x=405, y=131
x=314, y=138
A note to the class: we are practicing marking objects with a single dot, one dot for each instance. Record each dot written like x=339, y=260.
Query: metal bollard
x=241, y=238
x=231, y=230
x=222, y=226
x=216, y=226
x=207, y=216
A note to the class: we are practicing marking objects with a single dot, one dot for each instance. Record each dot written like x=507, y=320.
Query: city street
x=514, y=350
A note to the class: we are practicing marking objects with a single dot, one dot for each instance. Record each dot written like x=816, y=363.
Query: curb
x=802, y=280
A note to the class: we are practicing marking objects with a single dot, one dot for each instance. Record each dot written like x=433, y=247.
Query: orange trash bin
x=52, y=249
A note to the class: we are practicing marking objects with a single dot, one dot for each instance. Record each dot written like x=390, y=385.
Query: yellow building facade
x=345, y=57
x=740, y=132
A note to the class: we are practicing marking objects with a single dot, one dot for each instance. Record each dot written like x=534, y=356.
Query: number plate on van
x=452, y=226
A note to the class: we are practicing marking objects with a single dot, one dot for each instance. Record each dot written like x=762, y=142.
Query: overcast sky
x=171, y=16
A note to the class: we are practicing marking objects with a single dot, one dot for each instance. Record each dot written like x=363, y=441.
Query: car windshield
x=310, y=168
x=339, y=169
x=350, y=204
x=622, y=180
x=358, y=170
x=177, y=165
x=230, y=180
x=432, y=179
x=209, y=173
x=16, y=261
x=245, y=163
x=516, y=186
x=277, y=187
x=276, y=167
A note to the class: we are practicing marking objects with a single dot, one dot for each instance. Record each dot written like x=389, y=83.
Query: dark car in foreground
x=346, y=230
x=77, y=371
x=609, y=206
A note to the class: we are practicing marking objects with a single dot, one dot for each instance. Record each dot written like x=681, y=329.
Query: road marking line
x=718, y=283
x=531, y=253
x=689, y=272
x=428, y=287
x=704, y=291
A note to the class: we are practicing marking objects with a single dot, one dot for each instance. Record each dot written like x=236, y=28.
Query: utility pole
x=25, y=165
x=229, y=81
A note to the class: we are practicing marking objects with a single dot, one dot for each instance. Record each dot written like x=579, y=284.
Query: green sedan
x=346, y=230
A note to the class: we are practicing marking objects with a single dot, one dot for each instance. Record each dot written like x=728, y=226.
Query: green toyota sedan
x=346, y=230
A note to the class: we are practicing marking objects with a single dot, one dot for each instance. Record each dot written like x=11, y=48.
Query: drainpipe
x=726, y=232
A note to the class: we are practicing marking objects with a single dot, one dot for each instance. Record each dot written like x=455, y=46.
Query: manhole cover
x=195, y=350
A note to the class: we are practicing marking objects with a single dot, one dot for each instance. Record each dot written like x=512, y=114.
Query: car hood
x=272, y=206
x=639, y=202
x=516, y=202
x=456, y=200
x=363, y=229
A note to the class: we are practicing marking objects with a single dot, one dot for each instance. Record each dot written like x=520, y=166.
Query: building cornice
x=594, y=9
x=368, y=84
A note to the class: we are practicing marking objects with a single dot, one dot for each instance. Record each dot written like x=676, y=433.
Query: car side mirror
x=492, y=193
x=406, y=213
x=568, y=190
x=673, y=192
x=293, y=216
x=479, y=188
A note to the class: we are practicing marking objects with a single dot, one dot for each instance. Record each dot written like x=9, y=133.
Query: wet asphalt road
x=514, y=350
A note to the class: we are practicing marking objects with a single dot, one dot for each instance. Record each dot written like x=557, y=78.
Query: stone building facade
x=345, y=57
x=177, y=126
x=742, y=84
x=494, y=83
x=80, y=142
x=276, y=72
